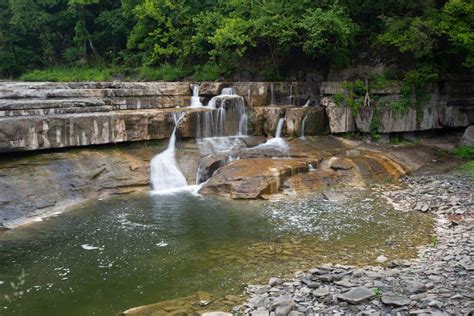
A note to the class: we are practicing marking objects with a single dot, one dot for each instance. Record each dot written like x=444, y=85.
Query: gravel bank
x=439, y=281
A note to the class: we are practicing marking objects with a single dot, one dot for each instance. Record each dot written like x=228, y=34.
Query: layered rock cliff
x=46, y=115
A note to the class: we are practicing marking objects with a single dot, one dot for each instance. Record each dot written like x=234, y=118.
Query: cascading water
x=272, y=95
x=195, y=100
x=165, y=174
x=308, y=103
x=226, y=116
x=303, y=123
x=219, y=128
x=277, y=142
x=279, y=129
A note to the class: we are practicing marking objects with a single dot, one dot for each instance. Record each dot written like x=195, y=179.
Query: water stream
x=277, y=142
x=226, y=116
x=195, y=100
x=107, y=256
x=303, y=123
x=165, y=174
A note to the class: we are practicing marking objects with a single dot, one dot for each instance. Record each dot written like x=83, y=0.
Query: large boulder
x=468, y=137
x=252, y=178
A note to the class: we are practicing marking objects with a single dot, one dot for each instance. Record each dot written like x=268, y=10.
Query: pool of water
x=107, y=256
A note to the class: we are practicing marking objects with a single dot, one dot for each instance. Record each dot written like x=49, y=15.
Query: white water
x=279, y=129
x=217, y=130
x=195, y=100
x=277, y=142
x=226, y=116
x=272, y=95
x=165, y=174
x=303, y=122
x=308, y=102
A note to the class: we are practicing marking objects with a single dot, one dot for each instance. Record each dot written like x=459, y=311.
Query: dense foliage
x=208, y=39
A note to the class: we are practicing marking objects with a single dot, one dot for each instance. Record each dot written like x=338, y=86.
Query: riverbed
x=109, y=255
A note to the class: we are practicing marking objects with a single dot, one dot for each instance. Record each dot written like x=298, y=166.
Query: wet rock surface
x=36, y=186
x=438, y=282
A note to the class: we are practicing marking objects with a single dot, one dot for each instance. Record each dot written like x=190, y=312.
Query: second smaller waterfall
x=195, y=100
x=277, y=142
x=279, y=129
x=303, y=123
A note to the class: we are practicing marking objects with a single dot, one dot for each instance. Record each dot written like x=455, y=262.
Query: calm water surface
x=110, y=255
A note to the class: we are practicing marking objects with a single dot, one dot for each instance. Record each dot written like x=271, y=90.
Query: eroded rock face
x=251, y=178
x=341, y=119
x=49, y=182
x=54, y=115
x=262, y=171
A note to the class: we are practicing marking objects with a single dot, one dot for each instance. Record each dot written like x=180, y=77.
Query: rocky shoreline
x=440, y=281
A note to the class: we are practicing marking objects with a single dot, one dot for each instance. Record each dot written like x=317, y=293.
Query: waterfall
x=277, y=142
x=291, y=97
x=308, y=102
x=226, y=116
x=303, y=122
x=220, y=127
x=195, y=100
x=165, y=174
x=272, y=95
x=279, y=129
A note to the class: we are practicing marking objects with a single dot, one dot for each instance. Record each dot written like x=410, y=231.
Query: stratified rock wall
x=448, y=107
x=45, y=115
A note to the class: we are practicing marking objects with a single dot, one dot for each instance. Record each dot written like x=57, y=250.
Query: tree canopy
x=272, y=38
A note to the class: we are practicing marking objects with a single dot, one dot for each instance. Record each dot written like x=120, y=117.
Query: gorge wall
x=45, y=115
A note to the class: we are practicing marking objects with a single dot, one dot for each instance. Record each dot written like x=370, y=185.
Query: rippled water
x=107, y=256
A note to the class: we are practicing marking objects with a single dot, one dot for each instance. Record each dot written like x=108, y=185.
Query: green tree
x=328, y=32
x=457, y=23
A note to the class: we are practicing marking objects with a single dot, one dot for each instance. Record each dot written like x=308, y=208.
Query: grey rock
x=395, y=300
x=321, y=292
x=275, y=281
x=356, y=295
x=468, y=137
x=435, y=304
x=283, y=310
x=415, y=287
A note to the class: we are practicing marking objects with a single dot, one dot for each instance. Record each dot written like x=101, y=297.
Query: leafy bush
x=354, y=96
x=207, y=72
x=338, y=98
x=381, y=81
x=465, y=152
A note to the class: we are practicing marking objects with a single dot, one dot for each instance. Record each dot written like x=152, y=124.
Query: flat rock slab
x=250, y=178
x=395, y=300
x=356, y=295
